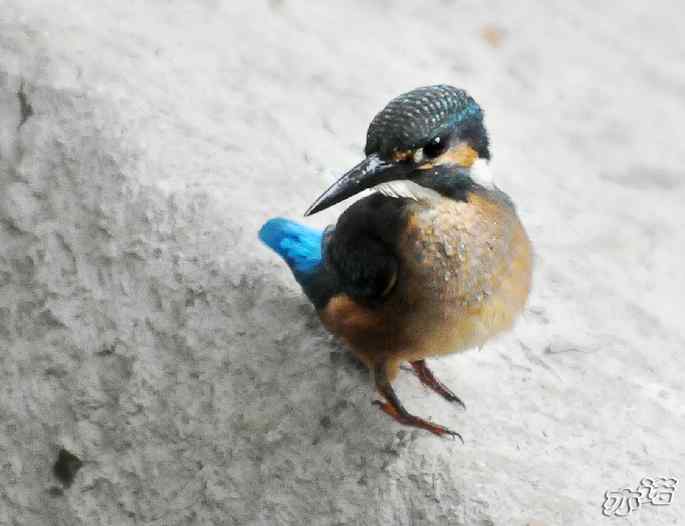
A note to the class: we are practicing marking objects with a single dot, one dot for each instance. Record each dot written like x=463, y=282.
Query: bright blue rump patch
x=299, y=245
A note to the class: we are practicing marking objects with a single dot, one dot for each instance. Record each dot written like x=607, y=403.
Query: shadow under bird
x=434, y=261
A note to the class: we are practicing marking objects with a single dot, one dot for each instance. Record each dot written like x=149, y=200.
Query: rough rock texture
x=145, y=331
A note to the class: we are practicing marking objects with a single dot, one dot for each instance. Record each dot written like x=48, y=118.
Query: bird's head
x=432, y=139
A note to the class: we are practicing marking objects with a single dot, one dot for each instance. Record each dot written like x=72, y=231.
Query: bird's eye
x=435, y=147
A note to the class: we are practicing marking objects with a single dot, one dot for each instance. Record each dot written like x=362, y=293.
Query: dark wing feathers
x=362, y=250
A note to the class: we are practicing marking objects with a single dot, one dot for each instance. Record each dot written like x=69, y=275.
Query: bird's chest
x=465, y=269
x=452, y=251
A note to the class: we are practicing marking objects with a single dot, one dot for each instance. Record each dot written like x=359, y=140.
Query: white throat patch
x=481, y=174
x=409, y=189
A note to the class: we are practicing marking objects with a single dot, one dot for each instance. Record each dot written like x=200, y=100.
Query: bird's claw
x=451, y=397
x=425, y=375
x=415, y=421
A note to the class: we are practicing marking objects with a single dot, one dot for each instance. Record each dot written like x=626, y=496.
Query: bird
x=433, y=261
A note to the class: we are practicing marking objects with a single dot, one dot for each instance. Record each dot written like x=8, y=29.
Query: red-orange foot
x=425, y=375
x=407, y=419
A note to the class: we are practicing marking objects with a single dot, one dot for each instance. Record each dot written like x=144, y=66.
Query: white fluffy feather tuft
x=481, y=174
x=409, y=189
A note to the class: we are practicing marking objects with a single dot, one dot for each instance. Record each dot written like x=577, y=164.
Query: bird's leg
x=429, y=380
x=395, y=409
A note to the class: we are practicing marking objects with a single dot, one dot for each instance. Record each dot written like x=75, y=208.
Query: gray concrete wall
x=145, y=330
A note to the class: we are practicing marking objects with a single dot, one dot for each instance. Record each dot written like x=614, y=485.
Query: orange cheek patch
x=462, y=154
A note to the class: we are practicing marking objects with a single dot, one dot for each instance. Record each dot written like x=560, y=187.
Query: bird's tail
x=298, y=245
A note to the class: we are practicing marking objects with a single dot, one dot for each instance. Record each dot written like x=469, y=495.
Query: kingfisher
x=433, y=261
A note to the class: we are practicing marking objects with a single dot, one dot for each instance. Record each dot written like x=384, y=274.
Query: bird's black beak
x=370, y=172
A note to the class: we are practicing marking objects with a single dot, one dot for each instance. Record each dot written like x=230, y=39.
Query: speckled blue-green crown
x=412, y=119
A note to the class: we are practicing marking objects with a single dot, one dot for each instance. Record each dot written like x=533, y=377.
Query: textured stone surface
x=145, y=331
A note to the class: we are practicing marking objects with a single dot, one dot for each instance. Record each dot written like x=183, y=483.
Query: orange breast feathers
x=464, y=277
